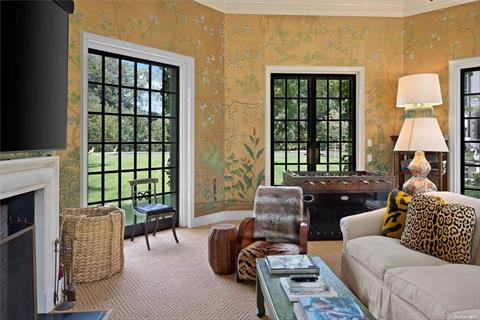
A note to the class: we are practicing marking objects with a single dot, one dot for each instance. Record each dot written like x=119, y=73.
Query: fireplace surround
x=41, y=176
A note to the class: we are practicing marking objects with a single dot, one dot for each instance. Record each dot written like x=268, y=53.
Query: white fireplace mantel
x=40, y=175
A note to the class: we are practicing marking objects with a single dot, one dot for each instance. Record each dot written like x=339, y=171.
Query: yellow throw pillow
x=394, y=219
x=441, y=230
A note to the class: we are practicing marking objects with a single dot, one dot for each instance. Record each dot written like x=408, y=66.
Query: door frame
x=454, y=125
x=186, y=65
x=359, y=72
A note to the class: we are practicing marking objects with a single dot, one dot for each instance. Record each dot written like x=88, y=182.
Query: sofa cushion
x=437, y=291
x=395, y=214
x=378, y=254
x=259, y=249
x=441, y=230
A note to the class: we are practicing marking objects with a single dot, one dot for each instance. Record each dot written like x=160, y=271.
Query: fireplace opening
x=17, y=257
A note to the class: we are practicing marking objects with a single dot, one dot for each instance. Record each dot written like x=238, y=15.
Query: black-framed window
x=470, y=137
x=132, y=128
x=312, y=123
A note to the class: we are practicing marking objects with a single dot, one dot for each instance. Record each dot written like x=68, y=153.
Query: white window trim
x=186, y=66
x=359, y=72
x=454, y=126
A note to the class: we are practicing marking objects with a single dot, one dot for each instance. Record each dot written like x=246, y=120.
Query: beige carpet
x=174, y=281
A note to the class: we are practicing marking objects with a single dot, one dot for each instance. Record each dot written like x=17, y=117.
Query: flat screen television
x=33, y=67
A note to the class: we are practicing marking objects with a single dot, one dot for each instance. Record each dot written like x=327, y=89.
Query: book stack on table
x=291, y=264
x=327, y=308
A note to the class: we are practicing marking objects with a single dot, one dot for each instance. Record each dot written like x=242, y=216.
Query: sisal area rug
x=174, y=281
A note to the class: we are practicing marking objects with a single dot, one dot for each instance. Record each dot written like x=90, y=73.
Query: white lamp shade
x=422, y=88
x=421, y=134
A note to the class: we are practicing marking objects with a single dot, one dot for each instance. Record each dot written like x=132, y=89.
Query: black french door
x=312, y=123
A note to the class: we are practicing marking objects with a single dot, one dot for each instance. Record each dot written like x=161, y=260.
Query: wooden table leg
x=260, y=299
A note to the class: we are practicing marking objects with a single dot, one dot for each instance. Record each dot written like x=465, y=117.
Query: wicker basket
x=96, y=235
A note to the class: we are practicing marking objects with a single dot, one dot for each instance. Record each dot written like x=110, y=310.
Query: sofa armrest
x=245, y=233
x=363, y=224
x=303, y=238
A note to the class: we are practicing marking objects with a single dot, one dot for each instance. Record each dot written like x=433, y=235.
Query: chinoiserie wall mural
x=231, y=53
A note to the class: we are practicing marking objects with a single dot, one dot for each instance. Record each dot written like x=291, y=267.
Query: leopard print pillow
x=442, y=230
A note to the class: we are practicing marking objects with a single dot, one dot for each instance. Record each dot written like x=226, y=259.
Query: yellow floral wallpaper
x=231, y=53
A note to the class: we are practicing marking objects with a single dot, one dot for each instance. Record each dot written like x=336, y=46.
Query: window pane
x=170, y=105
x=472, y=153
x=279, y=109
x=126, y=189
x=292, y=131
x=170, y=154
x=345, y=89
x=278, y=175
x=346, y=153
x=159, y=175
x=279, y=153
x=292, y=88
x=127, y=156
x=94, y=157
x=142, y=102
x=156, y=103
x=111, y=157
x=334, y=111
x=472, y=106
x=292, y=109
x=111, y=128
x=303, y=88
x=128, y=126
x=142, y=156
x=472, y=82
x=278, y=130
x=333, y=167
x=303, y=153
x=142, y=75
x=170, y=80
x=142, y=129
x=321, y=109
x=157, y=156
x=321, y=131
x=169, y=131
x=321, y=88
x=157, y=78
x=334, y=88
x=94, y=67
x=292, y=153
x=94, y=128
x=472, y=129
x=303, y=131
x=94, y=187
x=472, y=177
x=127, y=101
x=279, y=88
x=111, y=186
x=303, y=108
x=128, y=71
x=111, y=99
x=292, y=167
x=94, y=97
x=170, y=177
x=346, y=131
x=157, y=127
x=323, y=150
x=345, y=114
x=334, y=131
x=321, y=167
x=333, y=153
x=111, y=70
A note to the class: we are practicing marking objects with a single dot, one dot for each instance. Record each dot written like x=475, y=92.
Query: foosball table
x=330, y=196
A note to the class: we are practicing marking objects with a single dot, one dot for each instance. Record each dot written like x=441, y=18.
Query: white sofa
x=399, y=283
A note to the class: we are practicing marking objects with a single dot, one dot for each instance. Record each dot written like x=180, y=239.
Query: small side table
x=222, y=248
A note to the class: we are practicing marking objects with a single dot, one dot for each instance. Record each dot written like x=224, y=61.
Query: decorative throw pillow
x=394, y=219
x=442, y=230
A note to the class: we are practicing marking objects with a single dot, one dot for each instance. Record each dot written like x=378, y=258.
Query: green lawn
x=111, y=179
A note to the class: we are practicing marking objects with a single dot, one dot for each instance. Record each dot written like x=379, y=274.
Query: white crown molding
x=374, y=8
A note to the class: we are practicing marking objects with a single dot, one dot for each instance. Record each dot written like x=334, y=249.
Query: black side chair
x=151, y=210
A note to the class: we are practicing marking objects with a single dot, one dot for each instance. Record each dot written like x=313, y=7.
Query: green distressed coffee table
x=270, y=289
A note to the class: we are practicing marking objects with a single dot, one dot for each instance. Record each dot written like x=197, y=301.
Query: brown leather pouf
x=222, y=248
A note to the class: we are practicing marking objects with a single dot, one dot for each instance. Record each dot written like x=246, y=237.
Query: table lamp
x=420, y=131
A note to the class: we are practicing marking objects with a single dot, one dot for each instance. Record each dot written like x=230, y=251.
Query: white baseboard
x=221, y=216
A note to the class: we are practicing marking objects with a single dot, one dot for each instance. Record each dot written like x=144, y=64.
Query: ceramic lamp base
x=419, y=183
